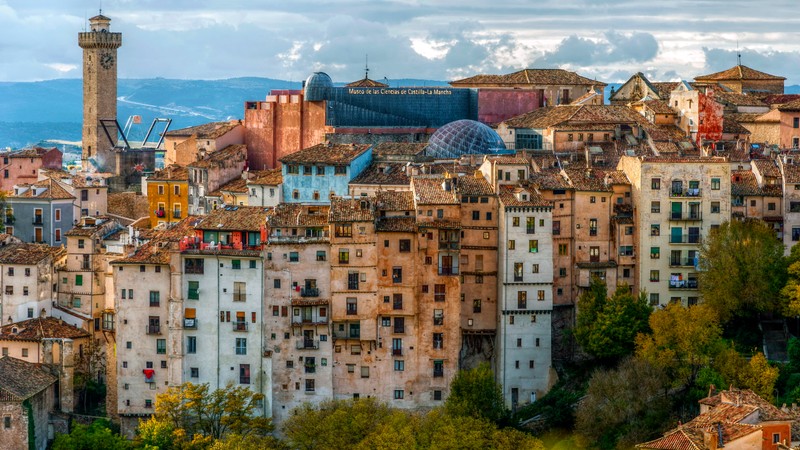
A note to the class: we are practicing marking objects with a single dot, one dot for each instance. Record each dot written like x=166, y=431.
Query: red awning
x=149, y=373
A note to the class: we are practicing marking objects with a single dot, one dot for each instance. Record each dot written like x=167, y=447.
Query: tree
x=683, y=341
x=623, y=405
x=607, y=326
x=97, y=436
x=475, y=393
x=742, y=269
x=189, y=416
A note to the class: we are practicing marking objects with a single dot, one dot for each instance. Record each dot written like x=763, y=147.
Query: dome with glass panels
x=316, y=86
x=464, y=137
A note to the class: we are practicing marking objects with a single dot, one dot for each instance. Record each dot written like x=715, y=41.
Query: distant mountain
x=31, y=112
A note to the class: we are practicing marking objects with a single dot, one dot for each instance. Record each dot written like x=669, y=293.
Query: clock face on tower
x=107, y=60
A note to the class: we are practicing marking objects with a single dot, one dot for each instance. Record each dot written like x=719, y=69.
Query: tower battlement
x=99, y=39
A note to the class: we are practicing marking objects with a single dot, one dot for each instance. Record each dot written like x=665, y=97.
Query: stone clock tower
x=99, y=46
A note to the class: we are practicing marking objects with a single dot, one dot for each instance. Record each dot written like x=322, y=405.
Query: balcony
x=449, y=245
x=685, y=239
x=397, y=352
x=307, y=344
x=38, y=220
x=309, y=292
x=683, y=285
x=239, y=326
x=682, y=262
x=448, y=270
x=686, y=215
x=153, y=329
x=190, y=324
x=690, y=192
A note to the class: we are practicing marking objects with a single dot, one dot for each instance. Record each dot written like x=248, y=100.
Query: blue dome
x=316, y=86
x=464, y=137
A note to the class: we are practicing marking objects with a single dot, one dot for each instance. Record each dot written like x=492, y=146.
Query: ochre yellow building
x=167, y=195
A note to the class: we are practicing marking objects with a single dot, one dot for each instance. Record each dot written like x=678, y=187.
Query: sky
x=423, y=39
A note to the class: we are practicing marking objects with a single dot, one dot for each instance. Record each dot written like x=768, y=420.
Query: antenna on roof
x=738, y=54
x=366, y=67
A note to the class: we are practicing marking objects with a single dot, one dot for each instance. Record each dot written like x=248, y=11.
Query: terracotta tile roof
x=542, y=117
x=509, y=160
x=731, y=126
x=473, y=185
x=238, y=185
x=664, y=88
x=663, y=147
x=398, y=149
x=545, y=162
x=743, y=117
x=366, y=82
x=148, y=253
x=777, y=99
x=588, y=180
x=793, y=105
x=429, y=191
x=157, y=249
x=677, y=439
x=53, y=190
x=103, y=225
x=28, y=254
x=326, y=154
x=383, y=174
x=128, y=204
x=211, y=130
x=738, y=72
x=617, y=177
x=214, y=158
x=396, y=224
x=234, y=218
x=767, y=168
x=578, y=117
x=743, y=182
x=33, y=152
x=296, y=215
x=659, y=106
x=394, y=200
x=737, y=99
x=40, y=328
x=22, y=380
x=508, y=197
x=77, y=180
x=351, y=209
x=791, y=173
x=530, y=77
x=170, y=173
x=683, y=159
x=549, y=179
x=441, y=224
x=272, y=177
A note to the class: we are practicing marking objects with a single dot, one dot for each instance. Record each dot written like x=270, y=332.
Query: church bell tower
x=99, y=46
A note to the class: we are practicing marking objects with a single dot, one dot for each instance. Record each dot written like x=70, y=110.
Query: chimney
x=67, y=372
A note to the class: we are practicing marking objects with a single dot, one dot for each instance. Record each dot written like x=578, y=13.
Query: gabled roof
x=394, y=200
x=474, y=185
x=53, y=190
x=297, y=215
x=738, y=72
x=173, y=172
x=575, y=115
x=33, y=152
x=41, y=328
x=22, y=380
x=430, y=191
x=366, y=82
x=326, y=154
x=211, y=130
x=508, y=197
x=28, y=254
x=530, y=77
x=214, y=158
x=234, y=218
x=351, y=209
x=383, y=174
x=272, y=177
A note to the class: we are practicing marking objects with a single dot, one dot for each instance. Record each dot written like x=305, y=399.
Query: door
x=677, y=209
x=307, y=315
x=37, y=235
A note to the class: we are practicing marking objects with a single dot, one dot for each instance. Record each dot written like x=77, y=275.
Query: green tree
x=623, y=405
x=743, y=269
x=475, y=393
x=251, y=442
x=607, y=326
x=193, y=416
x=97, y=436
x=683, y=341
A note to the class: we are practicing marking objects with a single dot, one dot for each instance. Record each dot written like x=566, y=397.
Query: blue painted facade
x=316, y=188
x=26, y=221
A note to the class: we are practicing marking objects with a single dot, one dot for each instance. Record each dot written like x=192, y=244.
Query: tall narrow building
x=99, y=46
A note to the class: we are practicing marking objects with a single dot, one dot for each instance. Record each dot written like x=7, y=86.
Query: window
x=438, y=340
x=352, y=306
x=562, y=271
x=195, y=372
x=241, y=346
x=776, y=437
x=236, y=264
x=556, y=227
x=533, y=246
x=438, y=368
x=592, y=199
x=653, y=299
x=438, y=292
x=626, y=250
x=563, y=250
x=398, y=394
x=397, y=301
x=530, y=225
x=344, y=230
x=512, y=244
x=294, y=256
x=397, y=275
x=654, y=275
x=592, y=227
x=405, y=245
x=655, y=207
x=397, y=346
x=438, y=317
x=155, y=298
x=399, y=365
x=344, y=256
x=161, y=346
x=518, y=268
x=715, y=207
x=771, y=206
x=715, y=184
x=193, y=291
x=244, y=374
x=239, y=291
x=7, y=422
x=522, y=300
x=340, y=170
x=515, y=221
x=364, y=371
x=80, y=243
x=191, y=344
x=476, y=306
x=655, y=229
x=78, y=280
x=655, y=183
x=476, y=215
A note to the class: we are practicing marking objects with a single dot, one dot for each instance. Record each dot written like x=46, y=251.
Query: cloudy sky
x=431, y=39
